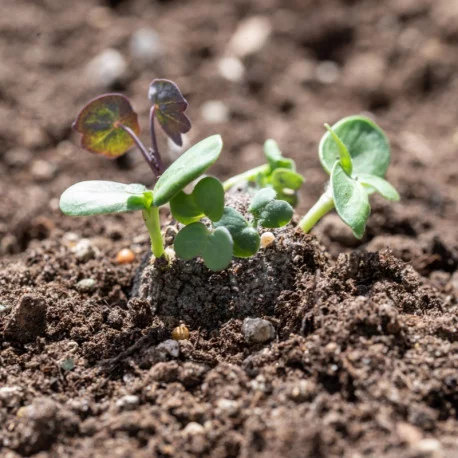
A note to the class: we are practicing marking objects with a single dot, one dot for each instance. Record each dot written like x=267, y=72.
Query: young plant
x=356, y=154
x=279, y=173
x=109, y=126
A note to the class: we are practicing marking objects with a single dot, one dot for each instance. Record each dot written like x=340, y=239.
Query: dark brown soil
x=365, y=356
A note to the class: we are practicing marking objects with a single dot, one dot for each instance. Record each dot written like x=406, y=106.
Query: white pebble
x=327, y=72
x=86, y=285
x=193, y=428
x=128, y=402
x=106, y=68
x=84, y=250
x=429, y=445
x=257, y=330
x=145, y=45
x=231, y=69
x=250, y=37
x=43, y=170
x=214, y=112
x=168, y=349
x=267, y=238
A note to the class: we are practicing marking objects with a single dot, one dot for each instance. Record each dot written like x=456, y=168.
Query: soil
x=364, y=361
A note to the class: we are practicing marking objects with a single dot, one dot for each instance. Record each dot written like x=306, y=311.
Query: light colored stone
x=257, y=330
x=168, y=349
x=250, y=37
x=327, y=72
x=128, y=402
x=86, y=285
x=106, y=68
x=43, y=170
x=215, y=112
x=231, y=68
x=145, y=45
x=193, y=428
x=267, y=238
x=83, y=250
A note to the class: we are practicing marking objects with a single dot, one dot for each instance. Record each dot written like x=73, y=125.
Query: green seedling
x=356, y=154
x=109, y=127
x=279, y=173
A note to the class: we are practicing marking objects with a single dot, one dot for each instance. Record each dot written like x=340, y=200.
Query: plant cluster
x=355, y=152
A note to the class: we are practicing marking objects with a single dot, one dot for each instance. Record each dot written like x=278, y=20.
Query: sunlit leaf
x=169, y=107
x=268, y=211
x=215, y=247
x=380, y=185
x=275, y=157
x=99, y=197
x=99, y=122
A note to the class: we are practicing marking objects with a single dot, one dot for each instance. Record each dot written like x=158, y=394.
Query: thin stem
x=142, y=148
x=249, y=175
x=154, y=151
x=152, y=222
x=324, y=204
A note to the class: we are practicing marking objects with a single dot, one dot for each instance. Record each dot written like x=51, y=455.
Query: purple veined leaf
x=100, y=123
x=169, y=107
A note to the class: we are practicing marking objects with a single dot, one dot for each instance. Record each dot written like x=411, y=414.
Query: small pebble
x=327, y=72
x=83, y=250
x=231, y=69
x=18, y=157
x=5, y=308
x=125, y=256
x=408, y=433
x=70, y=239
x=168, y=349
x=193, y=428
x=67, y=364
x=180, y=332
x=250, y=37
x=214, y=112
x=106, y=68
x=145, y=45
x=267, y=238
x=257, y=330
x=428, y=445
x=43, y=170
x=86, y=285
x=128, y=402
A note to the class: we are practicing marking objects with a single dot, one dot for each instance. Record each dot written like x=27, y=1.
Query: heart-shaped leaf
x=169, y=107
x=286, y=179
x=246, y=238
x=268, y=211
x=215, y=247
x=365, y=141
x=189, y=166
x=380, y=185
x=99, y=197
x=275, y=158
x=351, y=200
x=99, y=122
x=207, y=199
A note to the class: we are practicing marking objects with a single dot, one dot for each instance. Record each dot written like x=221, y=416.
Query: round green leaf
x=351, y=200
x=380, y=185
x=187, y=168
x=260, y=200
x=286, y=179
x=99, y=197
x=246, y=238
x=366, y=142
x=215, y=247
x=277, y=213
x=99, y=122
x=184, y=208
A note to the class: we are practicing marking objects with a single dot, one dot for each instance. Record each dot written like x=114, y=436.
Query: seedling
x=279, y=173
x=109, y=126
x=356, y=153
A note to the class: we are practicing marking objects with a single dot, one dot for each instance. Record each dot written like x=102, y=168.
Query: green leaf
x=260, y=200
x=366, y=142
x=99, y=197
x=99, y=122
x=380, y=185
x=246, y=238
x=275, y=158
x=169, y=107
x=345, y=158
x=207, y=199
x=215, y=247
x=277, y=213
x=351, y=200
x=286, y=179
x=189, y=166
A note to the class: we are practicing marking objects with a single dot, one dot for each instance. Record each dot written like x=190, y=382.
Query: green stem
x=249, y=175
x=152, y=222
x=324, y=204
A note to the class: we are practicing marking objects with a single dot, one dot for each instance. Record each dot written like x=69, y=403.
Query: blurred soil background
x=251, y=70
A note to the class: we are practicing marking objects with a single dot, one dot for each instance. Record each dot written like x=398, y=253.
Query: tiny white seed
x=267, y=239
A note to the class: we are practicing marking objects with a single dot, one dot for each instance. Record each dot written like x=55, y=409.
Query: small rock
x=5, y=308
x=128, y=402
x=18, y=157
x=408, y=433
x=68, y=364
x=304, y=390
x=86, y=285
x=228, y=406
x=428, y=445
x=28, y=319
x=327, y=72
x=145, y=45
x=169, y=349
x=83, y=250
x=231, y=69
x=214, y=112
x=257, y=330
x=70, y=239
x=106, y=68
x=250, y=37
x=267, y=238
x=193, y=428
x=43, y=170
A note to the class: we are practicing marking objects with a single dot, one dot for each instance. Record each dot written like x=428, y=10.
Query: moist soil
x=364, y=358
